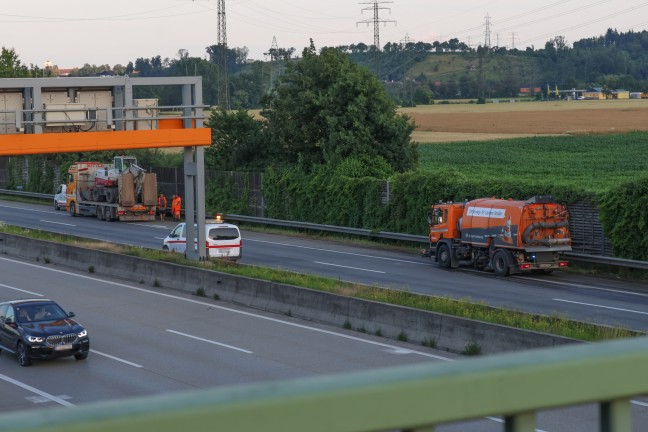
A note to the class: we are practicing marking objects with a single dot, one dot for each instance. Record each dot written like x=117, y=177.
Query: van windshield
x=223, y=234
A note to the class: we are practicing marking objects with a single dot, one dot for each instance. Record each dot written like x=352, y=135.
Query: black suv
x=41, y=329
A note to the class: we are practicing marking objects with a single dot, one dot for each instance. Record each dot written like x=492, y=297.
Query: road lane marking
x=223, y=308
x=22, y=290
x=575, y=285
x=340, y=252
x=601, y=306
x=34, y=390
x=57, y=223
x=209, y=341
x=349, y=267
x=116, y=358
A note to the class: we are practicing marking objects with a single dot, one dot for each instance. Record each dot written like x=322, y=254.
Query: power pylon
x=375, y=7
x=487, y=31
x=223, y=94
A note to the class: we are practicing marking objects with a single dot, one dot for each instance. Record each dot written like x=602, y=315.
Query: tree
x=237, y=142
x=10, y=65
x=326, y=109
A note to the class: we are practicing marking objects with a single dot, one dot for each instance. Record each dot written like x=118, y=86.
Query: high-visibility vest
x=162, y=202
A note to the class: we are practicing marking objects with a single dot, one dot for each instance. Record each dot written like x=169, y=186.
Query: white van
x=223, y=240
x=60, y=197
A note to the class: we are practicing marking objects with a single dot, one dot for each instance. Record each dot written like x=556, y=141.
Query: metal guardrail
x=413, y=398
x=619, y=262
x=593, y=259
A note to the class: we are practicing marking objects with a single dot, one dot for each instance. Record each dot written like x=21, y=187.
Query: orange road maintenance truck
x=118, y=191
x=505, y=236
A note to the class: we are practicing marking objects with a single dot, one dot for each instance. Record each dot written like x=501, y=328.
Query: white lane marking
x=116, y=358
x=348, y=267
x=29, y=209
x=209, y=341
x=643, y=404
x=575, y=285
x=57, y=223
x=250, y=314
x=340, y=252
x=601, y=306
x=22, y=290
x=36, y=391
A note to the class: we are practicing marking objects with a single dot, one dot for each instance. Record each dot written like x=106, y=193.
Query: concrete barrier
x=447, y=332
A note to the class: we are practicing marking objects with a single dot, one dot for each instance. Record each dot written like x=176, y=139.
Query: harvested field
x=471, y=122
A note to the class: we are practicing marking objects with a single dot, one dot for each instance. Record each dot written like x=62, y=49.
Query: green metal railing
x=411, y=398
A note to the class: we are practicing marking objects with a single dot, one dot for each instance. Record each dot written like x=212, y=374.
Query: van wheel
x=501, y=263
x=444, y=257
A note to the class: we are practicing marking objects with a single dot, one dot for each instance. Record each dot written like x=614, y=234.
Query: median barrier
x=444, y=331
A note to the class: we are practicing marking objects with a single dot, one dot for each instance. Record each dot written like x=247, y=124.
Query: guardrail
x=619, y=262
x=593, y=259
x=412, y=398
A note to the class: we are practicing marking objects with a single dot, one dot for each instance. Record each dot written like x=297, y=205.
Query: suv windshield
x=40, y=312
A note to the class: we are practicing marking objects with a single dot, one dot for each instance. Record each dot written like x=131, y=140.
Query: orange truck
x=118, y=191
x=504, y=236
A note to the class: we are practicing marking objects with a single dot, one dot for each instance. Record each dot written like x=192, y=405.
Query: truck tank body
x=536, y=224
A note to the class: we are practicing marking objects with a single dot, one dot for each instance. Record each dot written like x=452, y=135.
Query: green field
x=591, y=162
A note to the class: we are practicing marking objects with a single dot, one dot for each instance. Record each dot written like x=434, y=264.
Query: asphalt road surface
x=599, y=300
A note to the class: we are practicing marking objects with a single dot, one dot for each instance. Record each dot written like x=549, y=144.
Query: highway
x=147, y=342
x=592, y=299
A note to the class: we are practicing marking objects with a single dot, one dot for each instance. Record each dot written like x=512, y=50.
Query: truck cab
x=445, y=221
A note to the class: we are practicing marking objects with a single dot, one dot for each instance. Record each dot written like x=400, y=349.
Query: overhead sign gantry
x=74, y=114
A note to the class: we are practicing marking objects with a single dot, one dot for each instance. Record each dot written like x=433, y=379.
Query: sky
x=71, y=33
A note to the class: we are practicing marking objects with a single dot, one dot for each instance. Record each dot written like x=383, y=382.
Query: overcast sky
x=71, y=33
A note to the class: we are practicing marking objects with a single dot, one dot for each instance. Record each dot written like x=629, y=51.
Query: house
x=594, y=93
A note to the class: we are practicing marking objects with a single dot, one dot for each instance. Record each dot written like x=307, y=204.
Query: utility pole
x=223, y=93
x=375, y=7
x=487, y=32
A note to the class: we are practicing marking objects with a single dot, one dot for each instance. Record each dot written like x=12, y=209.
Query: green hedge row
x=356, y=202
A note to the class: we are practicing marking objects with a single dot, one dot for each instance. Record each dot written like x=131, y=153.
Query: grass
x=464, y=308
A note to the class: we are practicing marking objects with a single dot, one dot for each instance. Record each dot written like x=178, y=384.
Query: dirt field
x=470, y=122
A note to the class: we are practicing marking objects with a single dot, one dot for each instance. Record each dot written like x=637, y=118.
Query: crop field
x=592, y=145
x=472, y=122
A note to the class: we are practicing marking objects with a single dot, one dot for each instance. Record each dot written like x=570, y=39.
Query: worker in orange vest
x=176, y=205
x=162, y=206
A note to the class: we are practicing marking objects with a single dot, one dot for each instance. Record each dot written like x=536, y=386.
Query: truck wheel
x=501, y=263
x=444, y=257
x=107, y=214
x=99, y=213
x=73, y=209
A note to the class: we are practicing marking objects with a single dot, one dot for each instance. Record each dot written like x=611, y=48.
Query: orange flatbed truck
x=505, y=236
x=119, y=191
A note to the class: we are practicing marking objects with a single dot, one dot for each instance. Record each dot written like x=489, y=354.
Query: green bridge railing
x=413, y=398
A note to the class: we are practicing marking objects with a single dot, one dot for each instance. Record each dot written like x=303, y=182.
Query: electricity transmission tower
x=375, y=7
x=487, y=32
x=272, y=53
x=223, y=93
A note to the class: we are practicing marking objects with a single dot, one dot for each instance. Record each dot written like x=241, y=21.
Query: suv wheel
x=23, y=358
x=81, y=355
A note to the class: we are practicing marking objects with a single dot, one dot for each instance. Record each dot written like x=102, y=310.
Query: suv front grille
x=61, y=339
